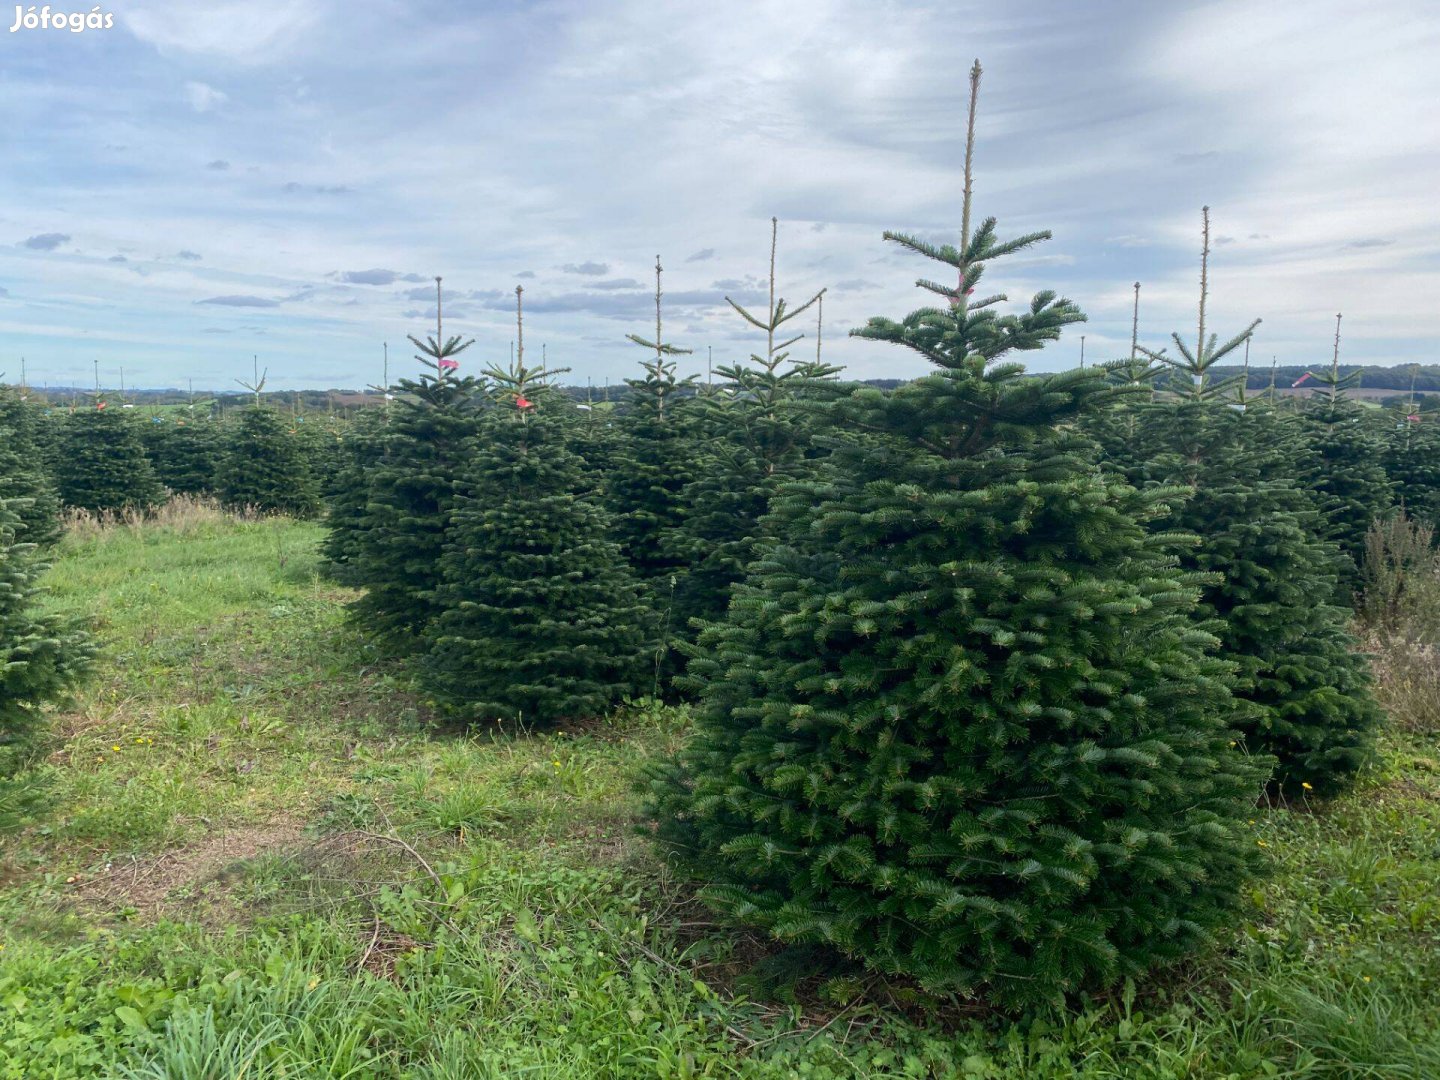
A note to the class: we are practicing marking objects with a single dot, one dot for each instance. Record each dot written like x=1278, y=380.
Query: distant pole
x=97, y=376
x=1082, y=352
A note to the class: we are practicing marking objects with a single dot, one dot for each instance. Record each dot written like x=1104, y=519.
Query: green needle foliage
x=961, y=721
x=41, y=657
x=396, y=543
x=756, y=437
x=1270, y=580
x=264, y=467
x=1346, y=469
x=1412, y=462
x=362, y=448
x=652, y=460
x=102, y=465
x=185, y=454
x=24, y=482
x=542, y=621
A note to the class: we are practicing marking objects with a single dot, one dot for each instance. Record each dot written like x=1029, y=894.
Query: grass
x=261, y=857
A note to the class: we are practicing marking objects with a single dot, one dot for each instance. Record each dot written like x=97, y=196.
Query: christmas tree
x=41, y=657
x=652, y=461
x=960, y=722
x=395, y=545
x=1346, y=471
x=1269, y=575
x=263, y=466
x=757, y=436
x=542, y=621
x=362, y=448
x=185, y=453
x=1412, y=461
x=102, y=465
x=1270, y=580
x=24, y=483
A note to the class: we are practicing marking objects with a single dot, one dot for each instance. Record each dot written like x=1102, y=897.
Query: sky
x=206, y=182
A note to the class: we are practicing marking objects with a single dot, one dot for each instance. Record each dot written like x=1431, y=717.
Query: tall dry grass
x=180, y=513
x=1400, y=609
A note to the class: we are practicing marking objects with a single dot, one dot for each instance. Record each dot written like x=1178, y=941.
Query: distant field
x=262, y=859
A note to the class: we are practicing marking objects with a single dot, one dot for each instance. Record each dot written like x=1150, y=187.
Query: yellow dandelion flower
x=1262, y=843
x=116, y=748
x=1306, y=786
x=1366, y=978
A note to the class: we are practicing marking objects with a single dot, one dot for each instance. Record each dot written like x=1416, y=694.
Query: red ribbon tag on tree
x=522, y=403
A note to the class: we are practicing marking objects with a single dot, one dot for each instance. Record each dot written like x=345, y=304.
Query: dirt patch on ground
x=148, y=885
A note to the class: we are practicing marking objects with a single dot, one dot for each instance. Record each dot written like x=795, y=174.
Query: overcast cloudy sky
x=206, y=181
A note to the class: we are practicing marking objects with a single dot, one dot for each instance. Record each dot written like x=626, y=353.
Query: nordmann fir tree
x=755, y=437
x=263, y=466
x=24, y=483
x=398, y=541
x=41, y=657
x=185, y=453
x=1269, y=576
x=1346, y=471
x=102, y=465
x=542, y=621
x=959, y=722
x=1412, y=461
x=362, y=448
x=652, y=461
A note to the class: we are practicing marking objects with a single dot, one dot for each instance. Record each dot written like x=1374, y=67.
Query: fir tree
x=397, y=542
x=264, y=468
x=185, y=453
x=756, y=438
x=41, y=657
x=541, y=619
x=1269, y=575
x=1346, y=471
x=1412, y=462
x=362, y=448
x=652, y=461
x=960, y=722
x=1270, y=580
x=102, y=465
x=24, y=483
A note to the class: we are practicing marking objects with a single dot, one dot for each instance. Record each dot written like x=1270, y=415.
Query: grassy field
x=261, y=858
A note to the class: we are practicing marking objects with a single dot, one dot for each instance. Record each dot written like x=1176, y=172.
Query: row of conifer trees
x=988, y=671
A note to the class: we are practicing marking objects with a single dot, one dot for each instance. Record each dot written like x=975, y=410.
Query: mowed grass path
x=262, y=857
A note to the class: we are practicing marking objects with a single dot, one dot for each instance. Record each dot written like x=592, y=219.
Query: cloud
x=218, y=165
x=1195, y=158
x=318, y=189
x=616, y=283
x=239, y=30
x=241, y=301
x=413, y=277
x=203, y=97
x=214, y=330
x=4, y=291
x=1370, y=242
x=189, y=256
x=854, y=285
x=702, y=255
x=526, y=274
x=594, y=269
x=418, y=313
x=117, y=259
x=46, y=241
x=371, y=277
